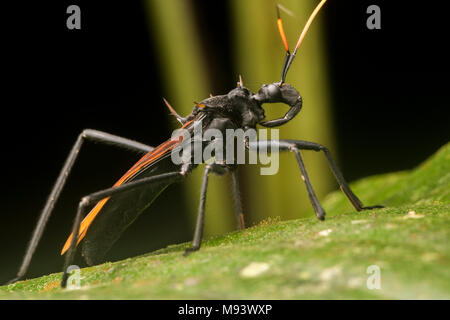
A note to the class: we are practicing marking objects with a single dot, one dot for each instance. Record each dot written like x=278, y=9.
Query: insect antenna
x=286, y=46
x=290, y=57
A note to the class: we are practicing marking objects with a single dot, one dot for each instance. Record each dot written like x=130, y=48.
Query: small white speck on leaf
x=190, y=281
x=330, y=273
x=325, y=233
x=355, y=282
x=413, y=215
x=359, y=221
x=254, y=269
x=390, y=226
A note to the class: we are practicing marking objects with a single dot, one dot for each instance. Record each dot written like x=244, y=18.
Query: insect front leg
x=306, y=145
x=295, y=146
x=87, y=134
x=320, y=213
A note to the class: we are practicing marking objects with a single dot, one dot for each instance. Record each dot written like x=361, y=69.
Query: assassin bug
x=117, y=207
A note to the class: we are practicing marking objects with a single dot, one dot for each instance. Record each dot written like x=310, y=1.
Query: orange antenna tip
x=308, y=24
x=290, y=57
x=281, y=30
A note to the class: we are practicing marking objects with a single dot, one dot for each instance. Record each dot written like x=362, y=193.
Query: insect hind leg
x=86, y=134
x=87, y=201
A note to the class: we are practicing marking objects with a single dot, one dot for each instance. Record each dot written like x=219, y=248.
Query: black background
x=389, y=90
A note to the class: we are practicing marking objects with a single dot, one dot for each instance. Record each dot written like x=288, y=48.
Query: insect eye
x=273, y=90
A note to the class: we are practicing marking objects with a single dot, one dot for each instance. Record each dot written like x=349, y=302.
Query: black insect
x=117, y=207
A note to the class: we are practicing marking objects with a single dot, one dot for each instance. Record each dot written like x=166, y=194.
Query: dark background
x=387, y=85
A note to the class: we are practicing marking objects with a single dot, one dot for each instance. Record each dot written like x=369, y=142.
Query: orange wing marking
x=145, y=160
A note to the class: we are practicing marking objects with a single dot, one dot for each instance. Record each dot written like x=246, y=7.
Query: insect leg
x=197, y=241
x=87, y=134
x=93, y=198
x=284, y=145
x=306, y=145
x=320, y=213
x=237, y=200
